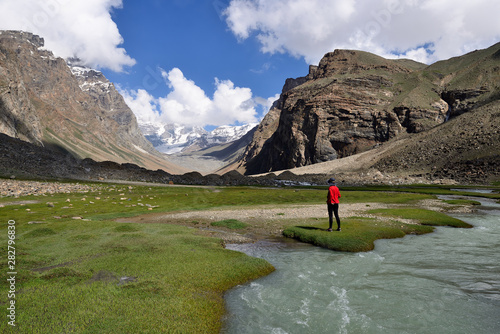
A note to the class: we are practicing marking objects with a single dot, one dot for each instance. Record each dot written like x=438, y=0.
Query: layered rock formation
x=44, y=101
x=353, y=101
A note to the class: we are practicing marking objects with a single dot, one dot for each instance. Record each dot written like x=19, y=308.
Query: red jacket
x=333, y=195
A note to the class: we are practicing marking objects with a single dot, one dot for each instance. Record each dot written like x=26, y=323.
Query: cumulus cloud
x=143, y=104
x=81, y=28
x=187, y=103
x=424, y=30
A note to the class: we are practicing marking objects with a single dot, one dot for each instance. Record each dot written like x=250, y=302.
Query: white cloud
x=144, y=105
x=424, y=30
x=235, y=103
x=186, y=102
x=189, y=104
x=82, y=28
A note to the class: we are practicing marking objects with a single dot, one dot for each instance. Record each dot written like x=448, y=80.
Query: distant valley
x=196, y=148
x=176, y=138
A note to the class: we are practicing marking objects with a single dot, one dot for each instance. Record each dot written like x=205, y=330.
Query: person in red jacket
x=333, y=203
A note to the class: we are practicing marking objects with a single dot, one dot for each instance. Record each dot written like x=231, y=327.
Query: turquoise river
x=443, y=282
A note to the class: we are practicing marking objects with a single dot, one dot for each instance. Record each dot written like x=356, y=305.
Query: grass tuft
x=357, y=235
x=462, y=202
x=63, y=272
x=423, y=216
x=233, y=224
x=126, y=228
x=40, y=232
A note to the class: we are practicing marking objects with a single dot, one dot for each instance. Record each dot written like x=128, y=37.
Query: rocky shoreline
x=19, y=188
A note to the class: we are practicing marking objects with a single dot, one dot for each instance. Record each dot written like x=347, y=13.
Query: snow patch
x=139, y=149
x=89, y=78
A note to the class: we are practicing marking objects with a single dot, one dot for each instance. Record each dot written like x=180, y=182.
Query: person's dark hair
x=331, y=180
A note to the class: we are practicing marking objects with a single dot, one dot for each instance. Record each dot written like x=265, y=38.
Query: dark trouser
x=333, y=209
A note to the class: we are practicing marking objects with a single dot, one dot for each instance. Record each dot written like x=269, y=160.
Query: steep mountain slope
x=354, y=101
x=469, y=81
x=266, y=128
x=45, y=102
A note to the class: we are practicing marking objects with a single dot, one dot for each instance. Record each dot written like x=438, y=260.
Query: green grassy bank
x=359, y=234
x=80, y=271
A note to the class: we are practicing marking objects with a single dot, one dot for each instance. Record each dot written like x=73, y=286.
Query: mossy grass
x=432, y=190
x=177, y=278
x=423, y=216
x=462, y=202
x=233, y=224
x=357, y=234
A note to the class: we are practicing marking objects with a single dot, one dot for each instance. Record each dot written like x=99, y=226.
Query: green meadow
x=79, y=270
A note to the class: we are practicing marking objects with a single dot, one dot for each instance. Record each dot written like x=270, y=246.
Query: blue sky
x=193, y=36
x=223, y=62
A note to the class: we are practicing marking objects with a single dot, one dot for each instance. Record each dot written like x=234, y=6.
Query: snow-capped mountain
x=226, y=133
x=176, y=138
x=171, y=138
x=89, y=79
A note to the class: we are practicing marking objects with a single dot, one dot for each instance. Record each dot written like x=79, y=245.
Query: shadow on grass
x=356, y=235
x=312, y=228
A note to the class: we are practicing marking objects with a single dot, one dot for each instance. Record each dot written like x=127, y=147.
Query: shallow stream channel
x=447, y=281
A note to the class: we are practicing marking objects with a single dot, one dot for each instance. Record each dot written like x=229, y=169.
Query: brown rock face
x=43, y=102
x=353, y=101
x=18, y=117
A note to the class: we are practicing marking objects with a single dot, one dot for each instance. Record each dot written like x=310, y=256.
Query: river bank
x=269, y=221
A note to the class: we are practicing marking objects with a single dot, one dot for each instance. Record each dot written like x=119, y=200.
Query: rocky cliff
x=46, y=102
x=353, y=101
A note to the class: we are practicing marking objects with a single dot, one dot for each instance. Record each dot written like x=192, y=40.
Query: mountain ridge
x=354, y=101
x=43, y=102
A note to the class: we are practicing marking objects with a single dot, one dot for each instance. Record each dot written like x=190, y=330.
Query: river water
x=443, y=282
